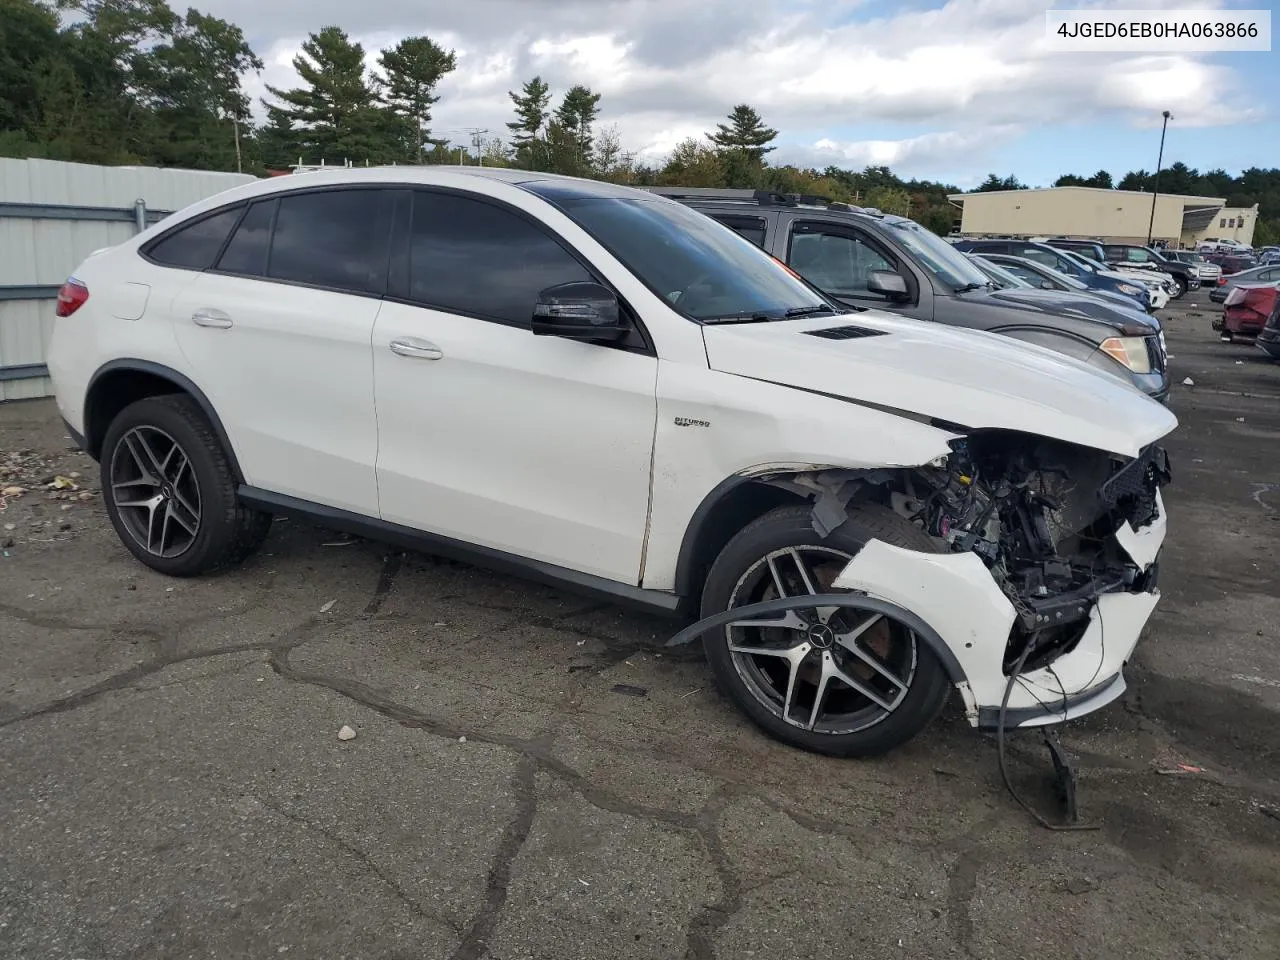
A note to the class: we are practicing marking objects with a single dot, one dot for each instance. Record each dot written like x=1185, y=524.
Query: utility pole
x=1156, y=191
x=477, y=141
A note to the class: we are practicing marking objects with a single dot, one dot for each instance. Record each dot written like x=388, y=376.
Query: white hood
x=967, y=377
x=1147, y=277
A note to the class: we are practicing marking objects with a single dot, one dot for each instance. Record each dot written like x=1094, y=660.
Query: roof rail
x=763, y=198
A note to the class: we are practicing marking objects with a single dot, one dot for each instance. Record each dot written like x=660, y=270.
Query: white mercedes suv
x=604, y=389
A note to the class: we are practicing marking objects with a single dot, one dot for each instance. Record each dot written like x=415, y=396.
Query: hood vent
x=844, y=333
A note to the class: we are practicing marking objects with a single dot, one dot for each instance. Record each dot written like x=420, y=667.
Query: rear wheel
x=840, y=681
x=169, y=490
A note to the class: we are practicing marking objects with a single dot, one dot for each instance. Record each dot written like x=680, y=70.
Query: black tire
x=1179, y=288
x=226, y=531
x=791, y=526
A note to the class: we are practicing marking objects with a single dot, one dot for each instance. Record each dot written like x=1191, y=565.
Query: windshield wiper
x=807, y=311
x=744, y=317
x=972, y=286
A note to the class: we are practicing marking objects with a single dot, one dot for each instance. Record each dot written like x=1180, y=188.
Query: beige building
x=1121, y=216
x=1230, y=223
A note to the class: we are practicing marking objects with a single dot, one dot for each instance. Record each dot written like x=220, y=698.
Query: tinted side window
x=1046, y=258
x=834, y=261
x=475, y=258
x=333, y=238
x=195, y=246
x=753, y=228
x=247, y=252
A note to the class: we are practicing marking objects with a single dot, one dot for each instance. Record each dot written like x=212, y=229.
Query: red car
x=1247, y=308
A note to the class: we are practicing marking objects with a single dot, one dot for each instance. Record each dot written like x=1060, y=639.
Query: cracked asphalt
x=172, y=784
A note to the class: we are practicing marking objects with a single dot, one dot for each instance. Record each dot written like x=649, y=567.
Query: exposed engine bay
x=1041, y=514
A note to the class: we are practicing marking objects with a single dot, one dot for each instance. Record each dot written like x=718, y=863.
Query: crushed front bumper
x=956, y=597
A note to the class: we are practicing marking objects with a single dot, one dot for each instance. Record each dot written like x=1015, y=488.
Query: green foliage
x=745, y=134
x=994, y=182
x=527, y=128
x=576, y=115
x=1100, y=179
x=412, y=68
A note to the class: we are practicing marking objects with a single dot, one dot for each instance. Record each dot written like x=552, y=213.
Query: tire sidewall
x=791, y=526
x=216, y=498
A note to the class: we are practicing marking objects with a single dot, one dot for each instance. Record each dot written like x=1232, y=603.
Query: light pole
x=1156, y=189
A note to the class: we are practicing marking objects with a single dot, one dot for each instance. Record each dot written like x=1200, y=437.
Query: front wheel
x=843, y=681
x=1179, y=288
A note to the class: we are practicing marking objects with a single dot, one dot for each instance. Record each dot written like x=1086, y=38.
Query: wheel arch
x=118, y=383
x=737, y=500
x=727, y=508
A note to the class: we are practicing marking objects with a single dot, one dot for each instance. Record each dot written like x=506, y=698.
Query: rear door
x=277, y=333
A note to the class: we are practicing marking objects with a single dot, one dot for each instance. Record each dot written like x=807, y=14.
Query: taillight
x=71, y=297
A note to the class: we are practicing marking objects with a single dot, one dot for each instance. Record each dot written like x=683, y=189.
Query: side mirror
x=892, y=285
x=1047, y=285
x=579, y=311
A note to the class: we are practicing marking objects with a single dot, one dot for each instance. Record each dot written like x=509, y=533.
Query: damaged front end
x=1068, y=538
x=1046, y=565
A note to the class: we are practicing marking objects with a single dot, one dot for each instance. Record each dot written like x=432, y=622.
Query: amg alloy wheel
x=155, y=491
x=170, y=490
x=846, y=681
x=822, y=670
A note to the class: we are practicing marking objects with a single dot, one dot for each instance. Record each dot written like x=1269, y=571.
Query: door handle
x=418, y=349
x=210, y=317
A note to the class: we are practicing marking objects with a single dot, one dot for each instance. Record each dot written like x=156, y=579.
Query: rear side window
x=246, y=254
x=1046, y=258
x=195, y=246
x=753, y=228
x=477, y=259
x=333, y=238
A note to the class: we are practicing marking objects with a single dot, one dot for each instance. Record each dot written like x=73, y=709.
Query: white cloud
x=973, y=73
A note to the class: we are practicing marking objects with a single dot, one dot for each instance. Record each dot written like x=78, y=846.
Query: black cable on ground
x=1004, y=770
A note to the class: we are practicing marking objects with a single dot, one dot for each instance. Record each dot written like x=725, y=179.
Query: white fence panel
x=43, y=241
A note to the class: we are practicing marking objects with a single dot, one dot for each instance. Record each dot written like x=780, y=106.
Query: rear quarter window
x=195, y=245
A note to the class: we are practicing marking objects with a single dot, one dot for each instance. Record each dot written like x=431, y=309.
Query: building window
x=1223, y=222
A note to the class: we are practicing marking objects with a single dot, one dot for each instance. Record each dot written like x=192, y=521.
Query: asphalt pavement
x=173, y=785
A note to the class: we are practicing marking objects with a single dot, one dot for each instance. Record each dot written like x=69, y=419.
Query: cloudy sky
x=945, y=90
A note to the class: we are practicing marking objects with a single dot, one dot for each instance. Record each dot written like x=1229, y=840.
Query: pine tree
x=413, y=67
x=336, y=106
x=531, y=116
x=745, y=133
x=576, y=114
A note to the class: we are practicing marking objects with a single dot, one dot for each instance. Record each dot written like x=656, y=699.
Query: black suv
x=1185, y=276
x=863, y=259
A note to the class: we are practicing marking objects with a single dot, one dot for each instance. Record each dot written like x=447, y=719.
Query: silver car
x=1206, y=271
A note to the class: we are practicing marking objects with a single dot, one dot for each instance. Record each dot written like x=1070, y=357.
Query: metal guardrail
x=138, y=215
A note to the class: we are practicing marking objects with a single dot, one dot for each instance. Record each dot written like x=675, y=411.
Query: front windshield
x=999, y=274
x=947, y=263
x=702, y=268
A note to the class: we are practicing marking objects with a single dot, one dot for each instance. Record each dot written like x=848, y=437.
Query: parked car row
x=1151, y=292
x=868, y=475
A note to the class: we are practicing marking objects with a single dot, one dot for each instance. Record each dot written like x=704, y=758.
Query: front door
x=534, y=446
x=839, y=260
